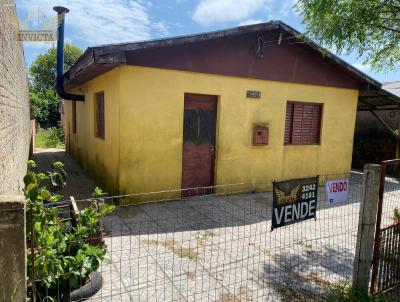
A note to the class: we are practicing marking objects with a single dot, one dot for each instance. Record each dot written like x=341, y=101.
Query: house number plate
x=253, y=94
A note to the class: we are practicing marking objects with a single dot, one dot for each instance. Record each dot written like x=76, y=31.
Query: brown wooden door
x=198, y=144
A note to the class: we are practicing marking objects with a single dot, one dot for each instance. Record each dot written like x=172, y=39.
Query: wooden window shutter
x=315, y=131
x=303, y=123
x=289, y=123
x=297, y=129
x=73, y=116
x=100, y=123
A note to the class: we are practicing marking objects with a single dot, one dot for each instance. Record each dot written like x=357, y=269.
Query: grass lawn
x=49, y=138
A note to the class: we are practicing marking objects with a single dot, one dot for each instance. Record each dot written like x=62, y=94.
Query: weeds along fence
x=219, y=246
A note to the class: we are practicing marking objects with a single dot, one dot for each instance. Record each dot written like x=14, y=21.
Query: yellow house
x=250, y=104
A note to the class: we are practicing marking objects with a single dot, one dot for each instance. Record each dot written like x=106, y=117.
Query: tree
x=369, y=27
x=42, y=79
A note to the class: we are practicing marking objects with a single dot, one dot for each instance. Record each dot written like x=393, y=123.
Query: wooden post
x=74, y=211
x=12, y=249
x=366, y=227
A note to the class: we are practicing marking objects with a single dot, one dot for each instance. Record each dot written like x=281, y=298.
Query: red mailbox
x=260, y=135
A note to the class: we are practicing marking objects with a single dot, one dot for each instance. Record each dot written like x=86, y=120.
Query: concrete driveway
x=210, y=248
x=79, y=184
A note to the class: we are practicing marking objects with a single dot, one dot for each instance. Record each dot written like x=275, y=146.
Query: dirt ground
x=79, y=184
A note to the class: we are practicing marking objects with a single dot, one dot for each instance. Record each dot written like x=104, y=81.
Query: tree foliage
x=42, y=79
x=369, y=27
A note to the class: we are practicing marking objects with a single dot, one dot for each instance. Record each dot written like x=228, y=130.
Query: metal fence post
x=366, y=227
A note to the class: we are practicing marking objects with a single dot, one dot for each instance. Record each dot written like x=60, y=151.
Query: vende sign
x=337, y=190
x=293, y=201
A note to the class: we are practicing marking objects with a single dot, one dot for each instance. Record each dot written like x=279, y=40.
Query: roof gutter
x=61, y=11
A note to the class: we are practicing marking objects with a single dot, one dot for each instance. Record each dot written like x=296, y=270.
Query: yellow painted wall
x=97, y=156
x=142, y=151
x=151, y=123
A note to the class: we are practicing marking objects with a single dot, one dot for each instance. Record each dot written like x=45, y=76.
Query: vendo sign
x=337, y=190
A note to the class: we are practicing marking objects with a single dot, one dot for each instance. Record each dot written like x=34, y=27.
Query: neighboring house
x=373, y=140
x=250, y=104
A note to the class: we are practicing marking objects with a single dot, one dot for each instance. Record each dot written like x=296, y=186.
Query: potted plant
x=64, y=256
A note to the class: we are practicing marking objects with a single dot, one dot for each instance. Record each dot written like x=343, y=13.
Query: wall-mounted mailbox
x=260, y=135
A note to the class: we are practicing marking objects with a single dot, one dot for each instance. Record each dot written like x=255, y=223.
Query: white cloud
x=38, y=46
x=209, y=12
x=286, y=8
x=92, y=22
x=362, y=67
x=161, y=28
x=250, y=21
x=146, y=3
x=280, y=9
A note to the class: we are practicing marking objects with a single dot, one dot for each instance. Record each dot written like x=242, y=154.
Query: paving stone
x=209, y=248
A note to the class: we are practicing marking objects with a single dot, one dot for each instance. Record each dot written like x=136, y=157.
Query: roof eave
x=114, y=54
x=332, y=56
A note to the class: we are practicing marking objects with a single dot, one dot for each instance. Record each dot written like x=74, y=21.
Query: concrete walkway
x=222, y=249
x=219, y=248
x=79, y=184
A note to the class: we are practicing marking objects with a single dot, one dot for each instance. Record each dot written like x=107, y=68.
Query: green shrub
x=396, y=215
x=50, y=138
x=65, y=255
x=343, y=292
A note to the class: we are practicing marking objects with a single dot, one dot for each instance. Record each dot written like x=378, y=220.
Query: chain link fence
x=386, y=261
x=220, y=247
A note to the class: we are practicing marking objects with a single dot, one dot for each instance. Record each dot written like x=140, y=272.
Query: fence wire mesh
x=388, y=269
x=391, y=191
x=386, y=262
x=219, y=247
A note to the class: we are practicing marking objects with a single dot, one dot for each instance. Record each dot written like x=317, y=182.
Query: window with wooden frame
x=199, y=126
x=303, y=123
x=73, y=117
x=99, y=115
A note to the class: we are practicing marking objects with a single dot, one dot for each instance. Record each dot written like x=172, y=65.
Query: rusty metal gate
x=386, y=258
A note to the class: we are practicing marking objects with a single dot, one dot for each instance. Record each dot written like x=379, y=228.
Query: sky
x=96, y=22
